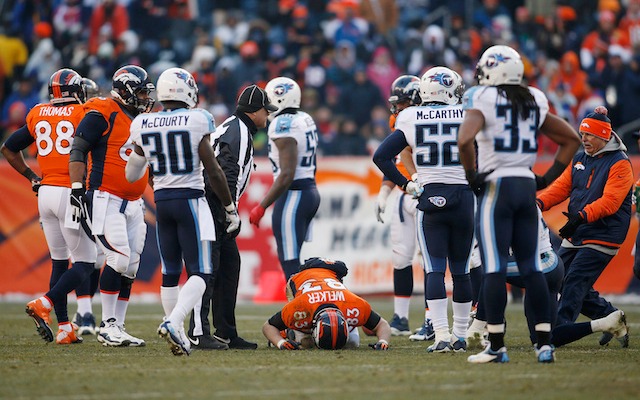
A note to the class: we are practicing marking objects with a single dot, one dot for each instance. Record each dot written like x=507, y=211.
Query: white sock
x=401, y=306
x=439, y=319
x=477, y=326
x=190, y=293
x=427, y=314
x=121, y=311
x=461, y=319
x=354, y=337
x=84, y=305
x=169, y=297
x=109, y=301
x=65, y=326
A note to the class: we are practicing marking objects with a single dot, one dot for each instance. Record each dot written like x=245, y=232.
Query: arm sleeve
x=384, y=157
x=90, y=131
x=373, y=320
x=228, y=159
x=276, y=321
x=19, y=140
x=619, y=183
x=557, y=192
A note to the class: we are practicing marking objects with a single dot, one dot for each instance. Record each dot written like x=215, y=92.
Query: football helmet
x=177, y=84
x=442, y=85
x=330, y=329
x=405, y=88
x=65, y=85
x=90, y=87
x=499, y=65
x=283, y=93
x=130, y=81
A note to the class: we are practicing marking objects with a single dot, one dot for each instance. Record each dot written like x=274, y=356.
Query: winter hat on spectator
x=566, y=13
x=253, y=98
x=610, y=5
x=43, y=30
x=597, y=123
x=249, y=49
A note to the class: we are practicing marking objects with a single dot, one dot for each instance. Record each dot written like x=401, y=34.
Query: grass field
x=32, y=369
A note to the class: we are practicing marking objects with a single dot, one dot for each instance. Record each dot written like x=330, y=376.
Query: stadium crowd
x=343, y=53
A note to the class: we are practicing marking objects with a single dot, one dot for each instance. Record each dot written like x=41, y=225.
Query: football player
x=175, y=142
x=504, y=117
x=52, y=127
x=445, y=208
x=405, y=92
x=104, y=135
x=321, y=306
x=293, y=139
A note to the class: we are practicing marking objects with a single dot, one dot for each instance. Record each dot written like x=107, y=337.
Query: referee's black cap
x=253, y=98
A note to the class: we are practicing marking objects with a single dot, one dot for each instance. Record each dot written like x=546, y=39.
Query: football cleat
x=206, y=342
x=399, y=326
x=425, y=332
x=489, y=356
x=65, y=337
x=111, y=335
x=133, y=341
x=459, y=345
x=546, y=353
x=174, y=338
x=440, y=346
x=615, y=326
x=86, y=324
x=40, y=314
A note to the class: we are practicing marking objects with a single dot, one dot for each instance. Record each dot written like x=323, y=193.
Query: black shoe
x=238, y=343
x=206, y=342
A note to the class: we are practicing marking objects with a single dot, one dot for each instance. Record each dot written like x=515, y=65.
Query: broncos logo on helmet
x=442, y=78
x=130, y=81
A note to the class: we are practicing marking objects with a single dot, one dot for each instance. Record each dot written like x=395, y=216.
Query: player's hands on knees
x=380, y=345
x=288, y=344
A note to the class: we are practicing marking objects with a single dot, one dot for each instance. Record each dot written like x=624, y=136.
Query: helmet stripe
x=55, y=84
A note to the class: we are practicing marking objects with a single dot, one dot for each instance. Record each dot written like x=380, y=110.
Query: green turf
x=31, y=369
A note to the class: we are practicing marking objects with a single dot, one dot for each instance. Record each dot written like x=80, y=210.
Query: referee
x=233, y=146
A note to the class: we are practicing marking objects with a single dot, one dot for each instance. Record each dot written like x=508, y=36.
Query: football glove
x=380, y=345
x=78, y=202
x=476, y=180
x=575, y=220
x=413, y=189
x=36, y=182
x=232, y=218
x=381, y=202
x=256, y=215
x=288, y=344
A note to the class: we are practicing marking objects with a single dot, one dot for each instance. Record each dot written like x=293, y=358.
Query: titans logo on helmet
x=495, y=59
x=443, y=79
x=282, y=89
x=188, y=79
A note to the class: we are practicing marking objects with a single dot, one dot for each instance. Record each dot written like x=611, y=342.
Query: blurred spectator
x=312, y=68
x=346, y=26
x=108, y=20
x=347, y=140
x=13, y=55
x=382, y=70
x=45, y=58
x=593, y=52
x=25, y=94
x=630, y=23
x=489, y=9
x=570, y=77
x=230, y=31
x=358, y=99
x=250, y=68
x=382, y=15
x=299, y=32
x=343, y=65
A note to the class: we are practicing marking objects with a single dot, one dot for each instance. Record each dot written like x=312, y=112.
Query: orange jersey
x=53, y=128
x=108, y=158
x=399, y=164
x=318, y=286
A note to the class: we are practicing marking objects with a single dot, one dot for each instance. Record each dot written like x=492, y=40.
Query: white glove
x=413, y=189
x=381, y=203
x=232, y=217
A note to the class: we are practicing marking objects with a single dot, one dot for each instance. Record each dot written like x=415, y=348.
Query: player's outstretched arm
x=273, y=335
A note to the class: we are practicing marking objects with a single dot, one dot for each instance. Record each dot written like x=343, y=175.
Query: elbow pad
x=79, y=150
x=135, y=168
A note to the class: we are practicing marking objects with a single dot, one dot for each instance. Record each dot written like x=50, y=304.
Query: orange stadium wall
x=345, y=228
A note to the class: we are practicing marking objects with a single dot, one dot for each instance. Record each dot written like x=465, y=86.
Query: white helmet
x=283, y=93
x=441, y=84
x=499, y=65
x=177, y=84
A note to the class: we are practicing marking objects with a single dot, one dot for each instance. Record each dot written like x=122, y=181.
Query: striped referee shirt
x=233, y=146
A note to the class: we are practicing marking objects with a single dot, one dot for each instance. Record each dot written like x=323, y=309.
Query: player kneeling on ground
x=321, y=306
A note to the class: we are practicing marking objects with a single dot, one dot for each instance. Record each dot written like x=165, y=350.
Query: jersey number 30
x=178, y=152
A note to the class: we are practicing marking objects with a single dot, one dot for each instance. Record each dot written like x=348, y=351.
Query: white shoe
x=616, y=324
x=111, y=335
x=490, y=356
x=133, y=341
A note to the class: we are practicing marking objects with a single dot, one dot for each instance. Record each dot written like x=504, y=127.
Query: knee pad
x=132, y=268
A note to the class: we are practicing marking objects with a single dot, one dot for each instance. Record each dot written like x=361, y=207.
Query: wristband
x=29, y=174
x=414, y=177
x=280, y=343
x=76, y=185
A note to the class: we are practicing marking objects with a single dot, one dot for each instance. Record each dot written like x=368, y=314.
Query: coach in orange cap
x=598, y=184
